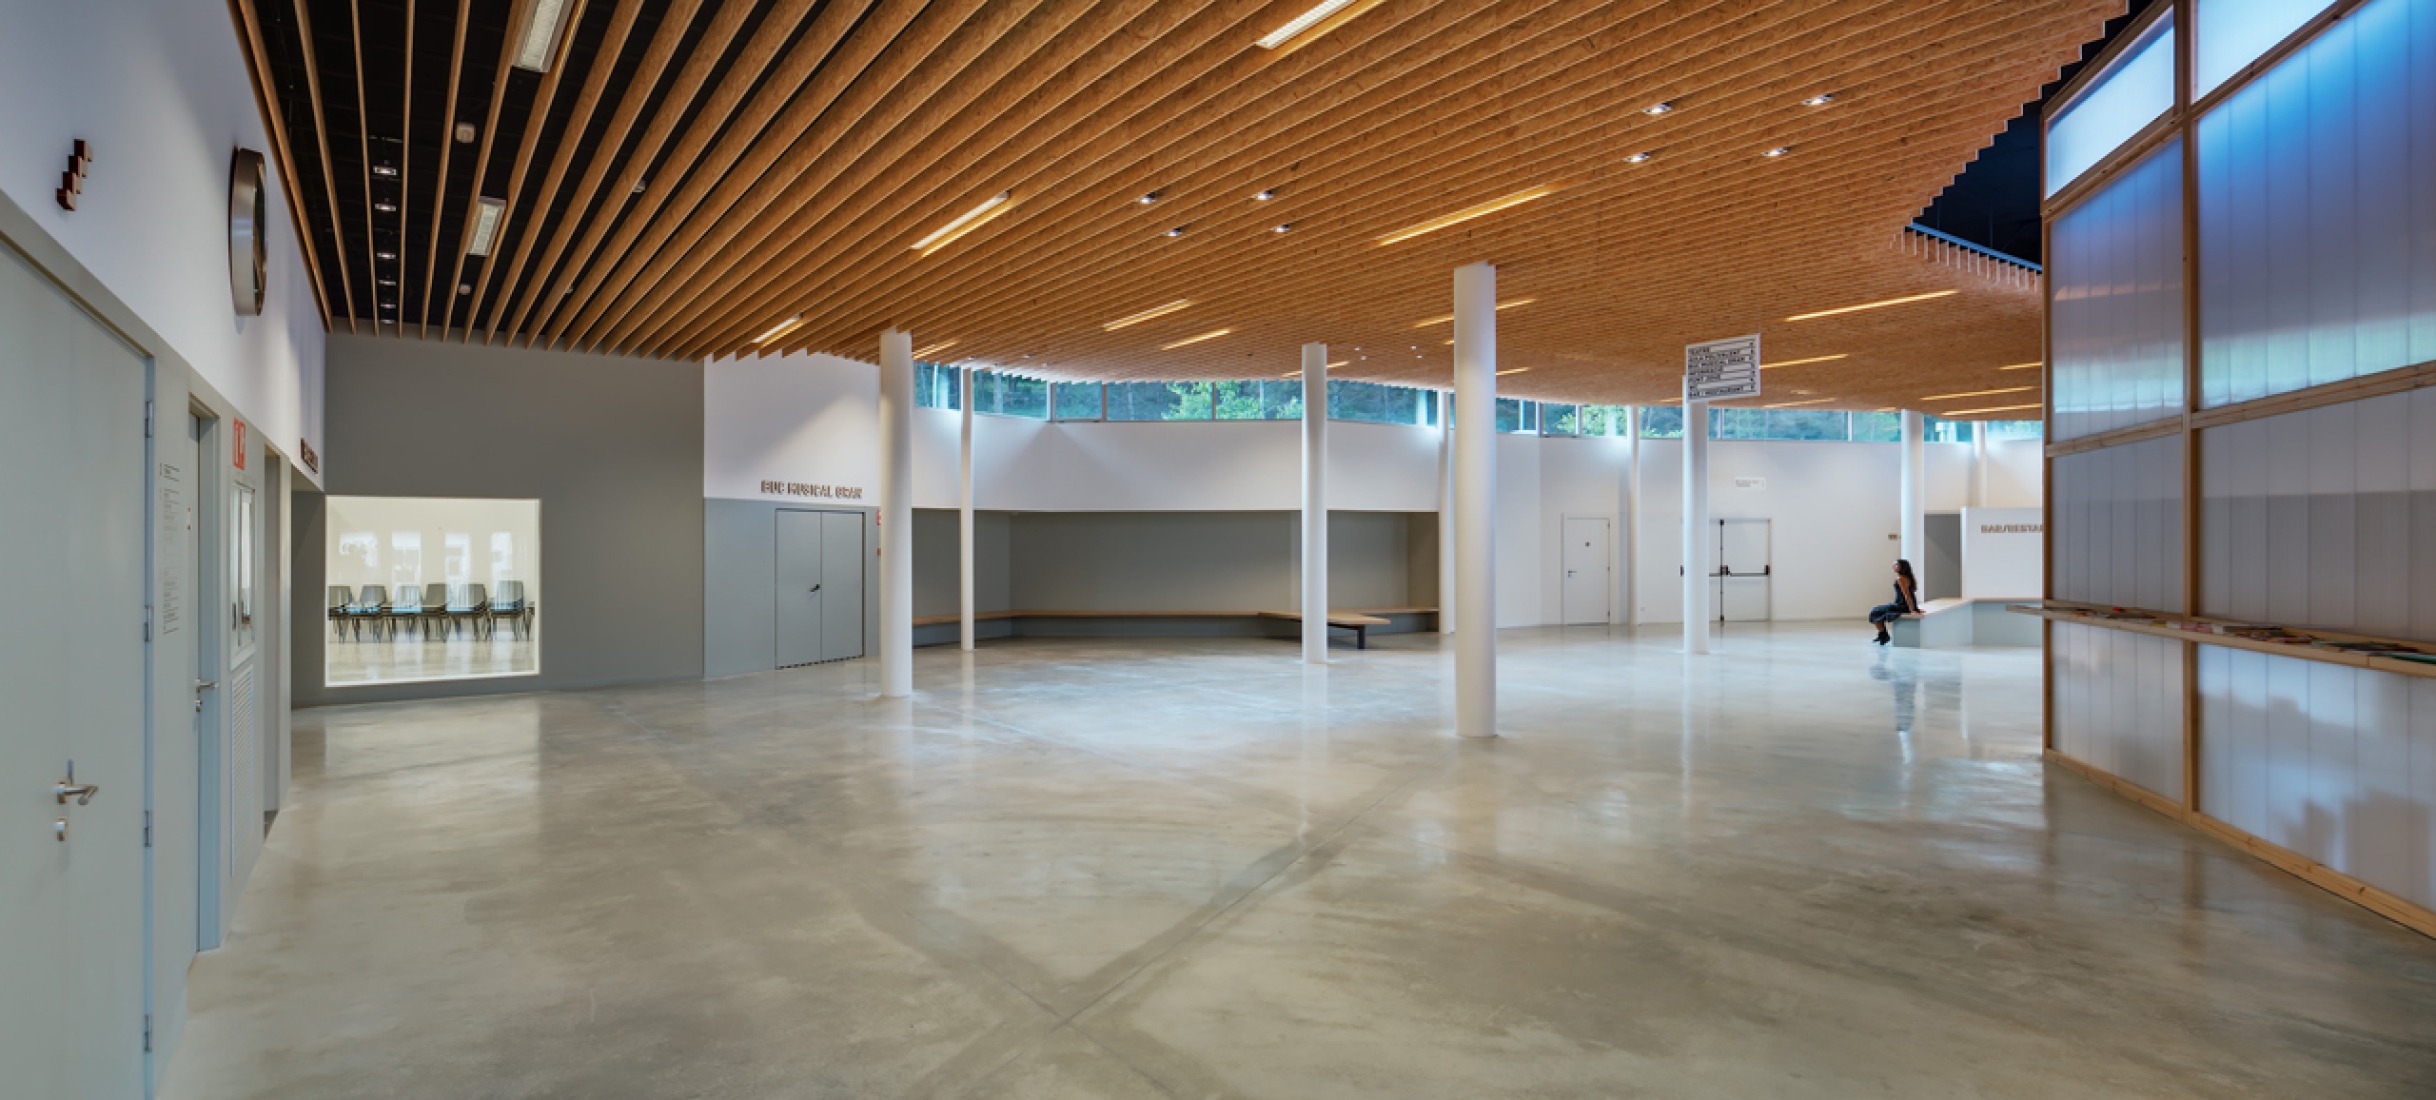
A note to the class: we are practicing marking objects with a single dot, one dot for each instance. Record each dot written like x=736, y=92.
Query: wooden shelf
x=2192, y=628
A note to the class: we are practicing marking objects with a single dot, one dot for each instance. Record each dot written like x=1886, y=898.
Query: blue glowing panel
x=2317, y=211
x=2117, y=324
x=2232, y=33
x=2129, y=95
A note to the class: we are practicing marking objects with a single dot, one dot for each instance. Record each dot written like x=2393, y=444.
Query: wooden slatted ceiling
x=718, y=167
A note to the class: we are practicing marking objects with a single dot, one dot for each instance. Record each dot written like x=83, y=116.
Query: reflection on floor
x=368, y=657
x=1807, y=866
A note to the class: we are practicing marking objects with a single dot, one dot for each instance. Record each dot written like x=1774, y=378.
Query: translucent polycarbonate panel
x=2317, y=211
x=2116, y=274
x=2325, y=517
x=2118, y=526
x=2229, y=34
x=2132, y=93
x=2336, y=763
x=2118, y=703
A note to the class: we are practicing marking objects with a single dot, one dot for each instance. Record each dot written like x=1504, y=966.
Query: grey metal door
x=72, y=675
x=801, y=591
x=841, y=583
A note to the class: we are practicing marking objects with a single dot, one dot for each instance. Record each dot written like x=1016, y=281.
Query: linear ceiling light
x=1874, y=305
x=965, y=223
x=1501, y=308
x=1978, y=393
x=1799, y=404
x=2024, y=366
x=1812, y=359
x=1481, y=211
x=487, y=212
x=780, y=329
x=541, y=20
x=1301, y=23
x=1997, y=409
x=1516, y=370
x=1151, y=314
x=934, y=349
x=1195, y=339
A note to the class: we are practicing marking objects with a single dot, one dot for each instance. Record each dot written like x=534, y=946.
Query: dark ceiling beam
x=329, y=185
x=266, y=99
x=439, y=199
x=536, y=121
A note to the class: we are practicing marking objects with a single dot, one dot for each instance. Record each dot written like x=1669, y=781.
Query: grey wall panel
x=936, y=586
x=1174, y=561
x=1368, y=563
x=610, y=445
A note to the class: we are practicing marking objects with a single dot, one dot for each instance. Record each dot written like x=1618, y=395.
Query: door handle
x=206, y=685
x=84, y=792
x=814, y=588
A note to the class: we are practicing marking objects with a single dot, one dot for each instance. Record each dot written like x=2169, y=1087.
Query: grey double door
x=820, y=586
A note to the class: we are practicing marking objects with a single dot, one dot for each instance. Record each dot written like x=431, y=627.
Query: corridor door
x=72, y=673
x=1585, y=562
x=1745, y=570
x=820, y=587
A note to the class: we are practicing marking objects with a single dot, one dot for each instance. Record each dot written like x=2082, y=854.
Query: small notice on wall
x=1721, y=369
x=176, y=523
x=809, y=489
x=239, y=435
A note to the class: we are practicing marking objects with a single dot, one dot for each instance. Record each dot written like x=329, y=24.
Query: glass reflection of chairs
x=340, y=598
x=371, y=605
x=406, y=609
x=511, y=605
x=468, y=604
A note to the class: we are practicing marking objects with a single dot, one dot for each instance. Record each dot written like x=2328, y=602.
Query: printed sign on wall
x=1720, y=369
x=239, y=435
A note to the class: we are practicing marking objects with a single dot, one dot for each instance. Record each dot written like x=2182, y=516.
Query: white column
x=1315, y=503
x=896, y=514
x=1476, y=500
x=1628, y=520
x=1446, y=513
x=1915, y=522
x=1695, y=526
x=964, y=508
x=1979, y=465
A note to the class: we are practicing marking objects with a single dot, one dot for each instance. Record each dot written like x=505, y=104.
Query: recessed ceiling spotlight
x=386, y=207
x=1657, y=108
x=1777, y=152
x=1636, y=158
x=386, y=255
x=465, y=133
x=388, y=282
x=1264, y=196
x=1148, y=198
x=385, y=171
x=1820, y=100
x=1283, y=227
x=465, y=288
x=639, y=185
x=1176, y=232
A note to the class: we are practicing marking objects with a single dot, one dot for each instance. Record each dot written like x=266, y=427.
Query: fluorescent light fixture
x=965, y=223
x=1997, y=409
x=385, y=171
x=1978, y=393
x=1516, y=370
x=1303, y=22
x=1799, y=362
x=386, y=207
x=1501, y=308
x=1637, y=158
x=1657, y=108
x=1468, y=213
x=1777, y=152
x=487, y=212
x=1195, y=339
x=541, y=20
x=386, y=255
x=1874, y=305
x=1820, y=100
x=780, y=329
x=1799, y=404
x=1151, y=314
x=925, y=353
x=2024, y=366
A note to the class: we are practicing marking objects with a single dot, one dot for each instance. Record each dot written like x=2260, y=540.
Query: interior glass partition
x=2136, y=89
x=2116, y=322
x=427, y=588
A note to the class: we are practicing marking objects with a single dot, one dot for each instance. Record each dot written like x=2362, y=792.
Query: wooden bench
x=1354, y=621
x=1357, y=620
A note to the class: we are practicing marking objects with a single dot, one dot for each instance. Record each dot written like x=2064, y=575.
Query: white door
x=72, y=675
x=1585, y=562
x=1745, y=569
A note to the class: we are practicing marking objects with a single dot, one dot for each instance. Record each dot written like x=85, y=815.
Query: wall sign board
x=1720, y=369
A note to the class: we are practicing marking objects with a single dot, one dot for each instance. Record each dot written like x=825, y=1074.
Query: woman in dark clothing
x=1907, y=601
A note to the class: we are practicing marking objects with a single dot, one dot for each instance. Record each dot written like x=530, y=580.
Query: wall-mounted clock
x=248, y=254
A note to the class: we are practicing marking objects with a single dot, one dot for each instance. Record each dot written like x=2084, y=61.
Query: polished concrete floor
x=1805, y=867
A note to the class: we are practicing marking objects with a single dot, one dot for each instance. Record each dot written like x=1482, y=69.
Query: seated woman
x=1907, y=601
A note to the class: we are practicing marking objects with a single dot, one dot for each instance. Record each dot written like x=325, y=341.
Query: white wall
x=159, y=88
x=814, y=419
x=2003, y=553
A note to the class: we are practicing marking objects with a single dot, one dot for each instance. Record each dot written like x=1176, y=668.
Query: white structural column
x=1979, y=465
x=1628, y=518
x=964, y=507
x=1476, y=500
x=1315, y=503
x=1915, y=522
x=1696, y=531
x=1446, y=513
x=896, y=514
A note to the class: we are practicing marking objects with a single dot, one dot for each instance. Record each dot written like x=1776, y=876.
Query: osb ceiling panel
x=688, y=175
